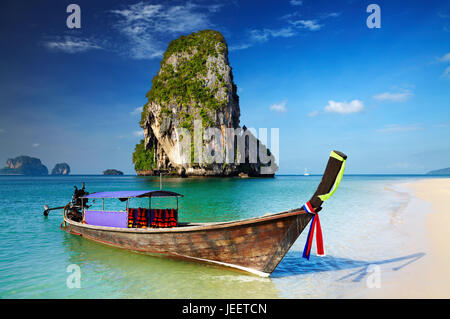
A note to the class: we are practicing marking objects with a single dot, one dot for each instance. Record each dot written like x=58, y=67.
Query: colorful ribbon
x=315, y=222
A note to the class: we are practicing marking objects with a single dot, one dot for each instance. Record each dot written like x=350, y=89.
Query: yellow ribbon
x=338, y=178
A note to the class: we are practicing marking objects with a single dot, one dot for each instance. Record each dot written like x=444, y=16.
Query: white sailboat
x=306, y=172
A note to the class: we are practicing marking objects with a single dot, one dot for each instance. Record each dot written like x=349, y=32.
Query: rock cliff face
x=24, y=165
x=191, y=121
x=61, y=169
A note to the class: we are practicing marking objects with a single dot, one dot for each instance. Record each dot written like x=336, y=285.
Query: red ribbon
x=315, y=223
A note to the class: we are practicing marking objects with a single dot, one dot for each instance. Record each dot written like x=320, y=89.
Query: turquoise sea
x=360, y=226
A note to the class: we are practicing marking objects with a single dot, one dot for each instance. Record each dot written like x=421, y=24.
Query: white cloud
x=283, y=33
x=296, y=2
x=290, y=15
x=354, y=106
x=292, y=28
x=392, y=128
x=144, y=25
x=313, y=113
x=446, y=73
x=311, y=25
x=139, y=133
x=137, y=111
x=394, y=97
x=263, y=35
x=259, y=35
x=35, y=145
x=69, y=44
x=444, y=58
x=280, y=107
x=241, y=46
x=331, y=15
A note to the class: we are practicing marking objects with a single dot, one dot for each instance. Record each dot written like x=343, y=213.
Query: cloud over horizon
x=444, y=58
x=446, y=73
x=354, y=106
x=394, y=97
x=279, y=107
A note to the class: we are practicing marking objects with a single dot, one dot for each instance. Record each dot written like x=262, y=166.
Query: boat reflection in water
x=116, y=273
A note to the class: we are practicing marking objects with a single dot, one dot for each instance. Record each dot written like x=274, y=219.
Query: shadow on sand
x=293, y=264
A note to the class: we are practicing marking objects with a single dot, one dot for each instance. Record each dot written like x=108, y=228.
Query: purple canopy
x=109, y=219
x=129, y=194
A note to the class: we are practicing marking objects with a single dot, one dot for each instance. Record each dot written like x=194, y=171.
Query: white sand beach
x=427, y=277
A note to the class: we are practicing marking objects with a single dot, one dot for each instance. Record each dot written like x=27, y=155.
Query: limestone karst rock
x=24, y=165
x=191, y=120
x=61, y=169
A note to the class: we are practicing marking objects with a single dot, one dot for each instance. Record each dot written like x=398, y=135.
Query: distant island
x=112, y=172
x=24, y=165
x=61, y=169
x=443, y=171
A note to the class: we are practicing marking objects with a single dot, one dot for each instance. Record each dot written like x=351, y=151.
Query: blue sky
x=313, y=69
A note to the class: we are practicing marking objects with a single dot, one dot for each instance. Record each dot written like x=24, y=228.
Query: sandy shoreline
x=428, y=277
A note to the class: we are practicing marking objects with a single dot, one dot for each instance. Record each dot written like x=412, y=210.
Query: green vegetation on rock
x=112, y=172
x=143, y=158
x=183, y=83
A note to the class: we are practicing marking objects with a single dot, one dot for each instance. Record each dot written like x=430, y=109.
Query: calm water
x=359, y=225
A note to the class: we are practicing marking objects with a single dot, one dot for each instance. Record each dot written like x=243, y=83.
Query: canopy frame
x=124, y=195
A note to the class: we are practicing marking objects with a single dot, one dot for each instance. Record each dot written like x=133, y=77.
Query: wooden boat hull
x=254, y=245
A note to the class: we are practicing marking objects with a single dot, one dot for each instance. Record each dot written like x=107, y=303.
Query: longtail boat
x=255, y=245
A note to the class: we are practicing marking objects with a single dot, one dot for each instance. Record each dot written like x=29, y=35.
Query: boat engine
x=78, y=203
x=74, y=211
